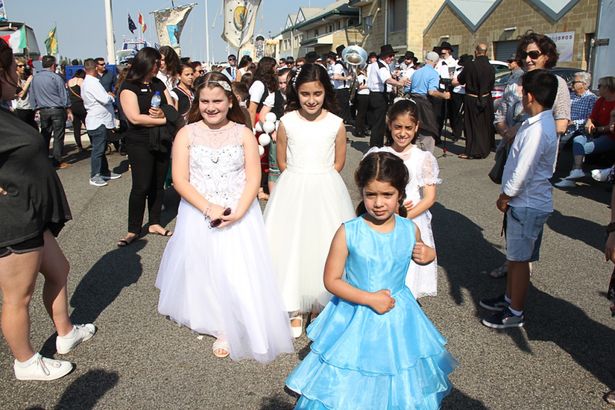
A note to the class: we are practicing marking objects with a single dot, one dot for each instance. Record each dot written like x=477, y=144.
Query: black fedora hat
x=409, y=55
x=386, y=50
x=446, y=46
x=339, y=49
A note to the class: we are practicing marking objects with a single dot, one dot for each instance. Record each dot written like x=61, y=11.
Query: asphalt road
x=563, y=358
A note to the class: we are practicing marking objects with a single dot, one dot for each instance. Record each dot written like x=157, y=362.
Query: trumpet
x=355, y=57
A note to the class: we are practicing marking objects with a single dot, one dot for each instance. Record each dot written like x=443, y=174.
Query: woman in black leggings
x=148, y=166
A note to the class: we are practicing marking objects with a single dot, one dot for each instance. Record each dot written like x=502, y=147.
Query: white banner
x=170, y=23
x=239, y=21
x=565, y=44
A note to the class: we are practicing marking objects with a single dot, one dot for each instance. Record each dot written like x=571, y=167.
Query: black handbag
x=497, y=170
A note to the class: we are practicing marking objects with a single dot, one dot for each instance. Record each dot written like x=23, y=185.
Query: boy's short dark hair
x=542, y=85
x=241, y=91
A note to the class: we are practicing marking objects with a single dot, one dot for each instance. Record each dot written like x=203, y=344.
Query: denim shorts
x=524, y=228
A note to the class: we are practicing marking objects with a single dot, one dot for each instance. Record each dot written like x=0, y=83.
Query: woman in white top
x=168, y=71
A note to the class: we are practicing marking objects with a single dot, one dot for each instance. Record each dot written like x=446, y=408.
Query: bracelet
x=610, y=228
x=205, y=212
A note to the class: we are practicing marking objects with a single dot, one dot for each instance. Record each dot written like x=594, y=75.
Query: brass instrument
x=355, y=57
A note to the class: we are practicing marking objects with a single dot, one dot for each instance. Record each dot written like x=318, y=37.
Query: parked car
x=500, y=66
x=501, y=79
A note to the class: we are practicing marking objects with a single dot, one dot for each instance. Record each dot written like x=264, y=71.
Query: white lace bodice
x=311, y=144
x=217, y=168
x=422, y=168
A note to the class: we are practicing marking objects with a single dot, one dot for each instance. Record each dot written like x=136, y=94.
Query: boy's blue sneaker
x=504, y=320
x=497, y=304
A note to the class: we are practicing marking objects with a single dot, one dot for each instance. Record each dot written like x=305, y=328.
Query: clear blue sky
x=81, y=23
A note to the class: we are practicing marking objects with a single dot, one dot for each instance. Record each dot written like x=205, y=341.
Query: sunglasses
x=216, y=222
x=201, y=71
x=20, y=65
x=534, y=54
x=101, y=64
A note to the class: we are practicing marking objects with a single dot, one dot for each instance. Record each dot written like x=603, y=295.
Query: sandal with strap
x=296, y=331
x=221, y=348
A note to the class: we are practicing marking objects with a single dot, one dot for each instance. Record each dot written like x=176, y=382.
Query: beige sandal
x=221, y=348
x=296, y=331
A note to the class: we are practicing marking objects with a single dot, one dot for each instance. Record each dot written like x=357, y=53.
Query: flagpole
x=207, y=35
x=109, y=30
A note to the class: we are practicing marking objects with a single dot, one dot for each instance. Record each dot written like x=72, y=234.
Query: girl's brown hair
x=212, y=80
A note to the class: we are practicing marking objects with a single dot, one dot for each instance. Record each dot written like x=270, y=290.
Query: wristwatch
x=610, y=228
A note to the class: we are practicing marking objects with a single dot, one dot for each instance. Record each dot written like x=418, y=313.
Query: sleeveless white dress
x=423, y=170
x=221, y=281
x=305, y=209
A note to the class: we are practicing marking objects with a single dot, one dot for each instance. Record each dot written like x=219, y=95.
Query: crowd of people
x=277, y=131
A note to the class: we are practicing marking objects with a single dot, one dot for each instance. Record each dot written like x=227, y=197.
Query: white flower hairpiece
x=222, y=84
x=295, y=78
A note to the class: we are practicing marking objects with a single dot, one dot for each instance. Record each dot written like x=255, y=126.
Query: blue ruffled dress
x=360, y=359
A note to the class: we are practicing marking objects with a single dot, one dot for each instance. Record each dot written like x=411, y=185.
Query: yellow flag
x=51, y=43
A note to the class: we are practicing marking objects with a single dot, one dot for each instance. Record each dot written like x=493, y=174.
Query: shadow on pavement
x=579, y=229
x=276, y=402
x=468, y=254
x=588, y=342
x=85, y=391
x=103, y=283
x=458, y=400
x=548, y=318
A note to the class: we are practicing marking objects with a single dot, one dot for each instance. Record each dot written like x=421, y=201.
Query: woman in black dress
x=76, y=105
x=148, y=164
x=33, y=210
x=184, y=89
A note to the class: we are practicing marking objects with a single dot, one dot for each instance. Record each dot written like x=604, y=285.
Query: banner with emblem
x=170, y=23
x=239, y=21
x=3, y=16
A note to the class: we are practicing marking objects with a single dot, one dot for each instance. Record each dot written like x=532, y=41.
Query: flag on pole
x=2, y=11
x=17, y=40
x=131, y=24
x=239, y=21
x=51, y=43
x=142, y=23
x=170, y=23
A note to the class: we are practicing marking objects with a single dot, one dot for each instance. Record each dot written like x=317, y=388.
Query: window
x=367, y=23
x=339, y=24
x=315, y=32
x=397, y=15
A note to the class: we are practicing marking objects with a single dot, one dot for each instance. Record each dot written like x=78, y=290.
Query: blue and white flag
x=2, y=11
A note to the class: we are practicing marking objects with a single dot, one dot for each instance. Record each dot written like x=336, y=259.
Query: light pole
x=109, y=29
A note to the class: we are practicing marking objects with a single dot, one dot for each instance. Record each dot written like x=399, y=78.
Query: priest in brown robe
x=478, y=76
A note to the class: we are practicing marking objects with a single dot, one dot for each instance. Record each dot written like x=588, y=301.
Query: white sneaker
x=112, y=175
x=42, y=368
x=80, y=333
x=565, y=183
x=601, y=175
x=576, y=173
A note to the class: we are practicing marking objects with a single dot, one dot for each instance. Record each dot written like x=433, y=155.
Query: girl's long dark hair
x=171, y=60
x=265, y=72
x=384, y=167
x=401, y=107
x=212, y=80
x=309, y=73
x=143, y=64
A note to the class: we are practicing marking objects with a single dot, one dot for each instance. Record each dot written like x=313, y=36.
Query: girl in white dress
x=402, y=126
x=216, y=275
x=310, y=200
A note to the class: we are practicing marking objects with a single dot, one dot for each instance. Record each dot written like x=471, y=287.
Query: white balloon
x=261, y=150
x=264, y=139
x=270, y=117
x=258, y=127
x=268, y=127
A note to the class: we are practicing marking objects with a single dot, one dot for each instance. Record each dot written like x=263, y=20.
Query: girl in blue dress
x=373, y=347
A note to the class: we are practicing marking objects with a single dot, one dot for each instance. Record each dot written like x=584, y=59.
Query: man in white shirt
x=446, y=69
x=378, y=76
x=527, y=196
x=341, y=83
x=100, y=119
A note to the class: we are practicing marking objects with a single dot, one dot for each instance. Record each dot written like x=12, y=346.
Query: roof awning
x=326, y=39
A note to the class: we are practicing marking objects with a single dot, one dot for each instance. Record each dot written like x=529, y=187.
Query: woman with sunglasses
x=534, y=52
x=23, y=107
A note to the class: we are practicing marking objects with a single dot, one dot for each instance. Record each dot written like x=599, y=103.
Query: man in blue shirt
x=48, y=95
x=425, y=84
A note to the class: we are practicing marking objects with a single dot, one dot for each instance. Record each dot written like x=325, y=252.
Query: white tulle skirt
x=423, y=279
x=303, y=213
x=221, y=282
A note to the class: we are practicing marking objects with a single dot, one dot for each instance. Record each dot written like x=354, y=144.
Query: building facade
x=500, y=23
x=320, y=30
